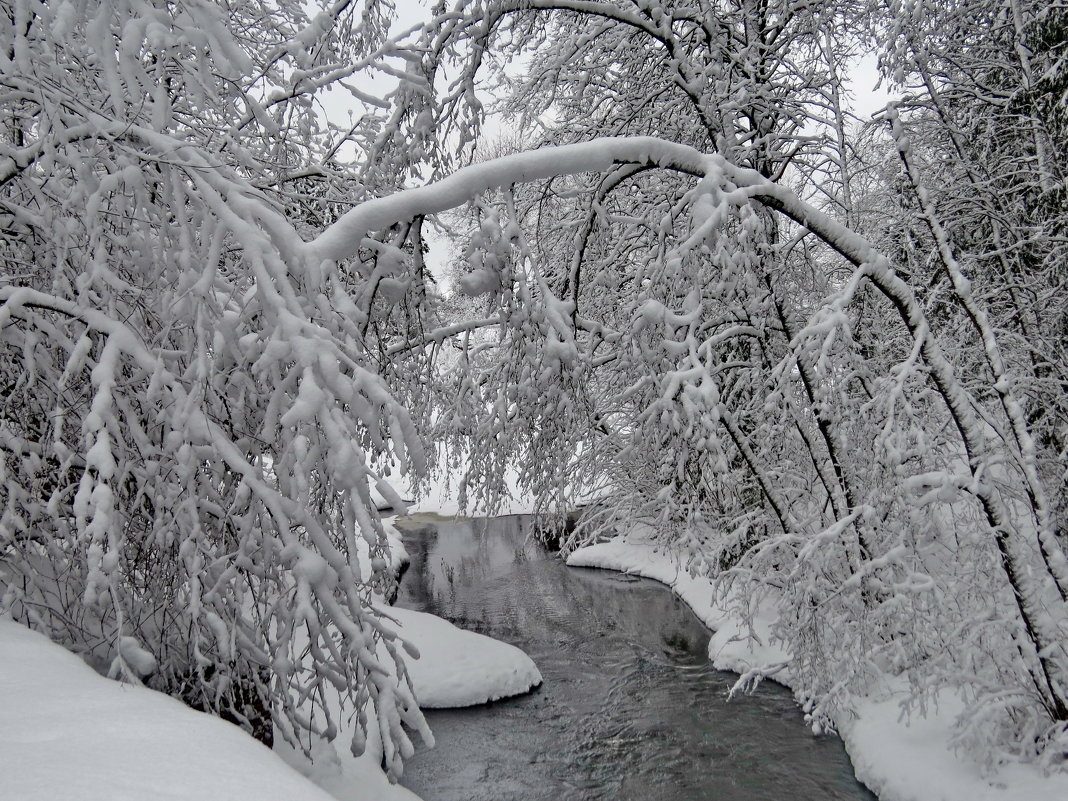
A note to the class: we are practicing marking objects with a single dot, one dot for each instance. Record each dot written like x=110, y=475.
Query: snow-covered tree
x=191, y=419
x=216, y=335
x=847, y=425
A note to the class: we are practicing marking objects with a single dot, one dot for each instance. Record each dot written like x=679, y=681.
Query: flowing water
x=630, y=707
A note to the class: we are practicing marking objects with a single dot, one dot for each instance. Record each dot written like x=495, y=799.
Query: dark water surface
x=630, y=707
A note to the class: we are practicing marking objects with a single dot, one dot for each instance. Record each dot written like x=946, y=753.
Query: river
x=630, y=707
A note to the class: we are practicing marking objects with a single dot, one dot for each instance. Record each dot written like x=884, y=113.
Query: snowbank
x=461, y=668
x=909, y=760
x=900, y=759
x=68, y=733
x=455, y=668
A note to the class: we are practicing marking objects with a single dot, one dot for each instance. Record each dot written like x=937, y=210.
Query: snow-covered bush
x=190, y=416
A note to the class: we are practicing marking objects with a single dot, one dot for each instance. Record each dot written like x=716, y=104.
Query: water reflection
x=630, y=707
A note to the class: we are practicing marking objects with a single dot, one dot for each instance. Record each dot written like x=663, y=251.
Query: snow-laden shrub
x=189, y=413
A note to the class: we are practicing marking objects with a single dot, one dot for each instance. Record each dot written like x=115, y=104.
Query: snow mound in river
x=461, y=668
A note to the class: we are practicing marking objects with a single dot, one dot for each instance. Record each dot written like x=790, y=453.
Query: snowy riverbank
x=68, y=733
x=899, y=759
x=455, y=668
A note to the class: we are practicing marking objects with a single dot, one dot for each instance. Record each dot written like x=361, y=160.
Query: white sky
x=867, y=99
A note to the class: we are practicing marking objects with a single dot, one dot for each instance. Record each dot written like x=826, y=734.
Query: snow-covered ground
x=67, y=733
x=455, y=668
x=900, y=759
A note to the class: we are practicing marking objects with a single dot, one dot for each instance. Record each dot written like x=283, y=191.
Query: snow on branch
x=342, y=239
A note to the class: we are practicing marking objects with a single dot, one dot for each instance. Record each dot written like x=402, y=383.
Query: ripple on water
x=630, y=708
